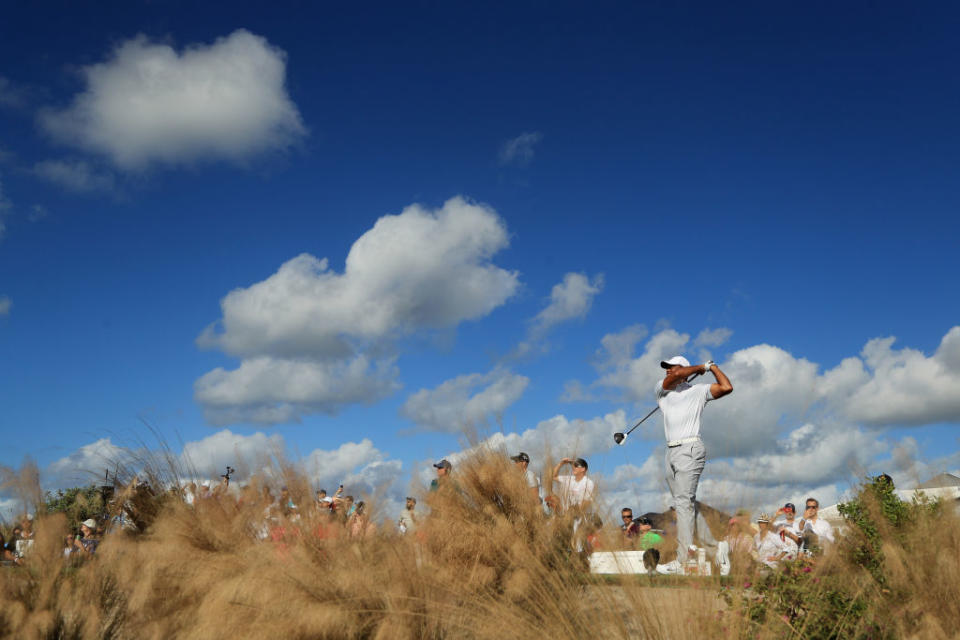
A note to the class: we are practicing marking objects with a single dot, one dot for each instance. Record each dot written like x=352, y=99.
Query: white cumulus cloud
x=416, y=270
x=267, y=390
x=312, y=339
x=148, y=103
x=905, y=386
x=465, y=401
x=5, y=305
x=570, y=299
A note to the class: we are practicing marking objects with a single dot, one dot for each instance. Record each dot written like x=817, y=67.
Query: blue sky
x=538, y=203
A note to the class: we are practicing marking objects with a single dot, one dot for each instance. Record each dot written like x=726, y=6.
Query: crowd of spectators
x=768, y=541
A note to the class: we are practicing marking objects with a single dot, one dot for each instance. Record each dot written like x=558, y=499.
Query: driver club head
x=619, y=437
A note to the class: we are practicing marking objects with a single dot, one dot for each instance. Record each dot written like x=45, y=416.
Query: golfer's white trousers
x=684, y=464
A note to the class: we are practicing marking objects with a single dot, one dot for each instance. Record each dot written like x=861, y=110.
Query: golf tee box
x=617, y=562
x=631, y=563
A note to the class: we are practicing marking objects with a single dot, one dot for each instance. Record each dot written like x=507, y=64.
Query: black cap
x=520, y=457
x=643, y=520
x=580, y=462
x=790, y=506
x=444, y=464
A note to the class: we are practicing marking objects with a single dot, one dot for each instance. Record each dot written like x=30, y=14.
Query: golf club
x=620, y=438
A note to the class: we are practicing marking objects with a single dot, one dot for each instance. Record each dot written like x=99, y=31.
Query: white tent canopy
x=944, y=486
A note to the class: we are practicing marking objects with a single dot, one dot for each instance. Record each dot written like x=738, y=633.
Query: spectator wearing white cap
x=88, y=543
x=769, y=548
x=682, y=405
x=522, y=461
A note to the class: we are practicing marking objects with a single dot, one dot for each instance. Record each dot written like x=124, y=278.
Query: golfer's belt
x=676, y=443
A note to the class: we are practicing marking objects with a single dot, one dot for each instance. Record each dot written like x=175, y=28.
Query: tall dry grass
x=485, y=564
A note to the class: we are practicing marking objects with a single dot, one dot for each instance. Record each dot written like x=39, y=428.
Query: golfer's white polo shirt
x=682, y=407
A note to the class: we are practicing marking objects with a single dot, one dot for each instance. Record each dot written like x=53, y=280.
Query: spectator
x=648, y=537
x=629, y=525
x=408, y=517
x=190, y=493
x=648, y=542
x=786, y=525
x=444, y=469
x=737, y=545
x=286, y=502
x=359, y=525
x=26, y=536
x=69, y=545
x=89, y=541
x=323, y=501
x=574, y=491
x=815, y=531
x=522, y=461
x=11, y=544
x=769, y=549
x=7, y=554
x=592, y=539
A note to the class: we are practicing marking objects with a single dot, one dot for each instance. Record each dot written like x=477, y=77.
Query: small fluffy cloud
x=465, y=401
x=148, y=103
x=519, y=151
x=5, y=305
x=265, y=390
x=309, y=336
x=712, y=337
x=420, y=269
x=77, y=175
x=569, y=299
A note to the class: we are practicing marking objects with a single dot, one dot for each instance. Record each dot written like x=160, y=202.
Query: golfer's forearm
x=720, y=376
x=676, y=375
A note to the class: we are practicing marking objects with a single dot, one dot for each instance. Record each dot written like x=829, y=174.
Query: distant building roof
x=942, y=480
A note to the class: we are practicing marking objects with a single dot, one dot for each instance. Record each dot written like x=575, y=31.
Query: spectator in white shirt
x=407, y=523
x=815, y=531
x=769, y=548
x=522, y=461
x=574, y=491
x=786, y=525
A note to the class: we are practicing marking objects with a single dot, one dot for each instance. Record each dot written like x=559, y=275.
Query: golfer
x=682, y=404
